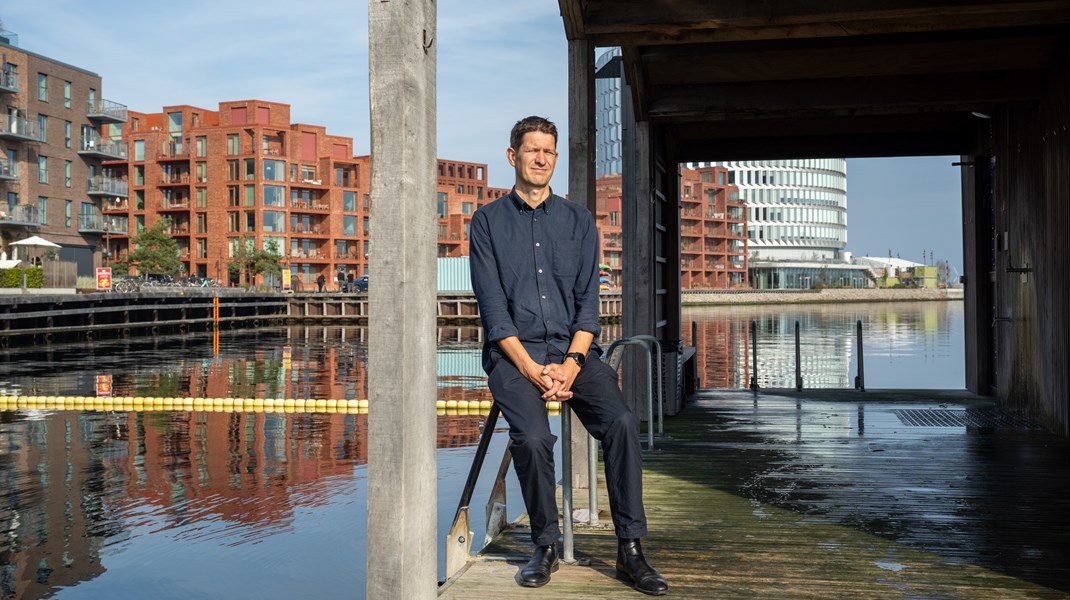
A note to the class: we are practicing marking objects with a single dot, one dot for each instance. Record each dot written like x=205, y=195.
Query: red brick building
x=713, y=231
x=245, y=171
x=713, y=225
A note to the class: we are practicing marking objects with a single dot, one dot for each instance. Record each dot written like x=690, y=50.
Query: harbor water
x=267, y=503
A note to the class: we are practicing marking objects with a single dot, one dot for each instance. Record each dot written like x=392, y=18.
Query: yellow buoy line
x=289, y=405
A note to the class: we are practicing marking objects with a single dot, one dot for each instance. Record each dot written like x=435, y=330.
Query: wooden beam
x=402, y=557
x=572, y=15
x=946, y=143
x=656, y=22
x=581, y=159
x=829, y=59
x=923, y=93
x=632, y=70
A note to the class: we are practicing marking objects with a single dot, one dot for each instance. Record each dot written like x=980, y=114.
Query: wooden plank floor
x=829, y=495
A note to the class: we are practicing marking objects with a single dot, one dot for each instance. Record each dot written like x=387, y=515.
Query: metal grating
x=987, y=418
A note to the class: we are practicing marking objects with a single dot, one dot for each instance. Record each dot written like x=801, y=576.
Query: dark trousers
x=599, y=404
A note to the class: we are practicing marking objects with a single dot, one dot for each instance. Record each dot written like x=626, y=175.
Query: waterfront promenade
x=829, y=494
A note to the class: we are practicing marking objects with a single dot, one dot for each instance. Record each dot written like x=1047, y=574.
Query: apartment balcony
x=119, y=205
x=116, y=226
x=301, y=205
x=9, y=171
x=174, y=151
x=312, y=229
x=94, y=223
x=19, y=129
x=179, y=229
x=303, y=183
x=106, y=111
x=101, y=148
x=9, y=81
x=20, y=216
x=180, y=178
x=174, y=204
x=102, y=185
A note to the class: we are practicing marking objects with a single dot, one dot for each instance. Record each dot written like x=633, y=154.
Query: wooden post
x=637, y=216
x=581, y=148
x=402, y=558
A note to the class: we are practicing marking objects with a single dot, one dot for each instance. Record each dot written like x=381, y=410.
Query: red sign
x=103, y=385
x=103, y=278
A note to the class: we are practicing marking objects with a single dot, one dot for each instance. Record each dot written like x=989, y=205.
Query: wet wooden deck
x=825, y=495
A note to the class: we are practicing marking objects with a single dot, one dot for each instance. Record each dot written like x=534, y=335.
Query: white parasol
x=35, y=241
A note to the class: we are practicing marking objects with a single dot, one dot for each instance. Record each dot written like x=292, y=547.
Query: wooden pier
x=788, y=496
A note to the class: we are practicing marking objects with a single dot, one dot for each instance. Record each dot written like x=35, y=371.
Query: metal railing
x=860, y=378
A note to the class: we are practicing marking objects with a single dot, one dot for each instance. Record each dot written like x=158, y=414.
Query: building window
x=250, y=195
x=466, y=208
x=349, y=201
x=202, y=146
x=202, y=172
x=202, y=197
x=274, y=221
x=139, y=175
x=349, y=225
x=233, y=144
x=308, y=172
x=274, y=170
x=42, y=169
x=67, y=134
x=274, y=195
x=67, y=210
x=139, y=200
x=66, y=94
x=233, y=223
x=42, y=87
x=67, y=173
x=250, y=220
x=42, y=127
x=250, y=169
x=139, y=149
x=233, y=170
x=42, y=210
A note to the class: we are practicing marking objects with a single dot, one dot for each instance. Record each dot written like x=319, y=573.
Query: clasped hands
x=554, y=381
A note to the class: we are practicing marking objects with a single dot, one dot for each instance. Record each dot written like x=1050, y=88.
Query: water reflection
x=92, y=501
x=906, y=345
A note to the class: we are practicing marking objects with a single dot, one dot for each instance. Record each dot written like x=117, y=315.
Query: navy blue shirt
x=535, y=274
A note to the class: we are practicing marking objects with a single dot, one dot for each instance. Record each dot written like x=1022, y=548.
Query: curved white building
x=798, y=208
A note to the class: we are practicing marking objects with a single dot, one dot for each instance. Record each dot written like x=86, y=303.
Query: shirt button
x=536, y=244
x=540, y=270
x=544, y=297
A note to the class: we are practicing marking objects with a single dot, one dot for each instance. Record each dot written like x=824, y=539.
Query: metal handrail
x=661, y=379
x=649, y=375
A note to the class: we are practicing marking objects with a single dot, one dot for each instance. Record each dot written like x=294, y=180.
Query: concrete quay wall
x=828, y=296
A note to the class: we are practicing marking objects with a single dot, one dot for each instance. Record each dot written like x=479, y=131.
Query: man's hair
x=526, y=126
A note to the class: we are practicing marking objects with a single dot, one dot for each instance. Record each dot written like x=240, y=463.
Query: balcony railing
x=21, y=215
x=302, y=228
x=91, y=223
x=174, y=150
x=302, y=205
x=114, y=225
x=9, y=81
x=175, y=178
x=102, y=148
x=174, y=204
x=102, y=185
x=20, y=128
x=9, y=171
x=121, y=205
x=106, y=110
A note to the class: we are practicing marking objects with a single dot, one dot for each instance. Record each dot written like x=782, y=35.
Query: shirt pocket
x=566, y=258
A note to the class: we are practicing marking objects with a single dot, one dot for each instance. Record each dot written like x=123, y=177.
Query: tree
x=155, y=251
x=247, y=262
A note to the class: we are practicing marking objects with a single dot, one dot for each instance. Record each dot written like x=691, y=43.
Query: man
x=535, y=273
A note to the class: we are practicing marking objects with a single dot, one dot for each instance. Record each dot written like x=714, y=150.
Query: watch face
x=576, y=356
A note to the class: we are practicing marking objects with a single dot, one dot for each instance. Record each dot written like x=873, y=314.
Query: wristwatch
x=578, y=357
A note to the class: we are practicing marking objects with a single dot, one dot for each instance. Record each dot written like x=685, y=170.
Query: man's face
x=535, y=160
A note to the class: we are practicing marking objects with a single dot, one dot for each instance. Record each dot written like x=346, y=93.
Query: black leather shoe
x=543, y=562
x=633, y=568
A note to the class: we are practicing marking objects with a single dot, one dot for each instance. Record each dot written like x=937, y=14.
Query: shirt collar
x=522, y=206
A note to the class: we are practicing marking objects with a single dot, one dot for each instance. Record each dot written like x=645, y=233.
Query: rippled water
x=210, y=504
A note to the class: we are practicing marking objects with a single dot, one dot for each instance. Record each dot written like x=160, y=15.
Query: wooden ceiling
x=807, y=78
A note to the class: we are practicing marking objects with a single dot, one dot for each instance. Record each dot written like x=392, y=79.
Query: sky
x=498, y=61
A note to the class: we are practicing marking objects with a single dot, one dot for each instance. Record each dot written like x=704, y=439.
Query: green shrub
x=12, y=278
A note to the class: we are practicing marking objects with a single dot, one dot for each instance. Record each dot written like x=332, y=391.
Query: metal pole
x=566, y=481
x=798, y=361
x=694, y=342
x=754, y=354
x=592, y=480
x=860, y=379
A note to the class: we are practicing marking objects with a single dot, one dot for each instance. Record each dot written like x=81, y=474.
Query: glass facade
x=805, y=276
